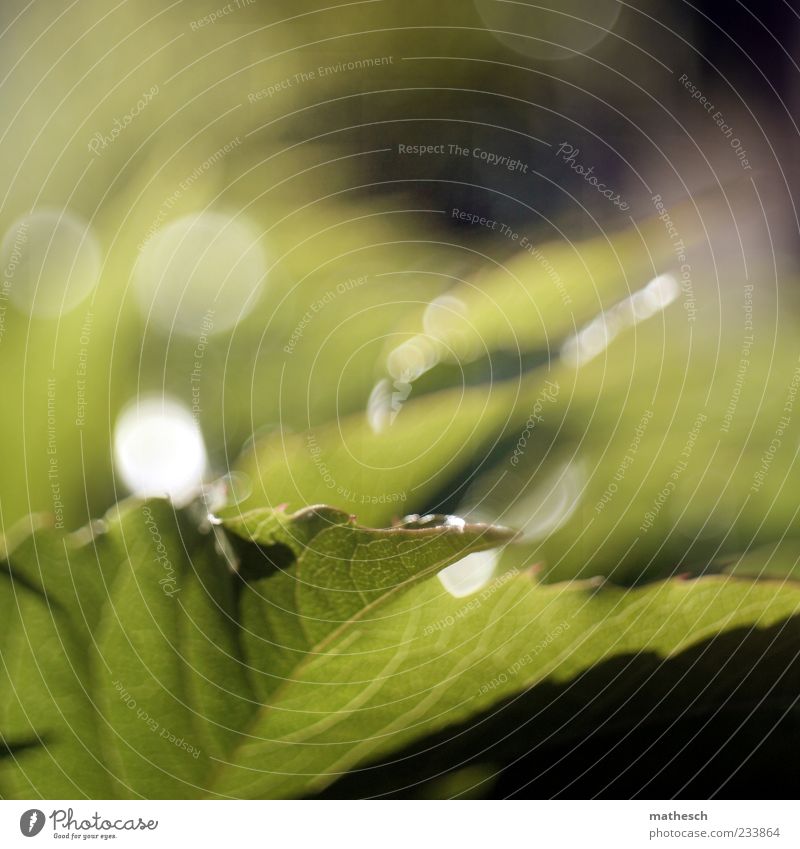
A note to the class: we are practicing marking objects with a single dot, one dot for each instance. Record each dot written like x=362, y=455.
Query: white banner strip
x=404, y=824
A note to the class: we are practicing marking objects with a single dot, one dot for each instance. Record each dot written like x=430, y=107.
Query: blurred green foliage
x=394, y=359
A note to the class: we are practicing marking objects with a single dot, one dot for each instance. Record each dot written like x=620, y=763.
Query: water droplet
x=432, y=520
x=471, y=573
x=159, y=449
x=51, y=261
x=200, y=274
x=455, y=522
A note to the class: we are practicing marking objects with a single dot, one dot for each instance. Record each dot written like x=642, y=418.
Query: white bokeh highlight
x=595, y=337
x=203, y=269
x=550, y=505
x=159, y=450
x=555, y=29
x=471, y=573
x=51, y=261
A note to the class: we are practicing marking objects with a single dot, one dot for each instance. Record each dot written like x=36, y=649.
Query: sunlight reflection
x=202, y=272
x=51, y=261
x=471, y=573
x=601, y=331
x=159, y=449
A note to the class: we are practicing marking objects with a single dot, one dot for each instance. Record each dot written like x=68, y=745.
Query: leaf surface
x=157, y=657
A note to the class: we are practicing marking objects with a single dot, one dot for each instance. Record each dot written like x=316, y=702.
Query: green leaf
x=50, y=599
x=633, y=725
x=127, y=670
x=154, y=656
x=342, y=578
x=430, y=661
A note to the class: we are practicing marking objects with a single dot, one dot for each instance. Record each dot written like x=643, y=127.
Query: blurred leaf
x=683, y=451
x=400, y=465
